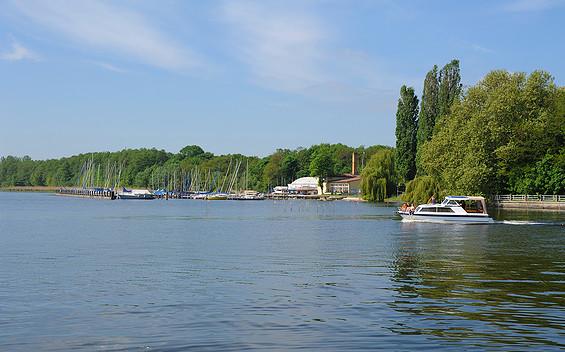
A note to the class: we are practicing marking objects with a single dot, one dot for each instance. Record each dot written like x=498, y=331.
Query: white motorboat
x=454, y=210
x=217, y=196
x=135, y=194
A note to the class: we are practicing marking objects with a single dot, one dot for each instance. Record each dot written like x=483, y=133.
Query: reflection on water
x=177, y=275
x=497, y=285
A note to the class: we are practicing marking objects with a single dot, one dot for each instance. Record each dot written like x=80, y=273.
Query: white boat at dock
x=247, y=195
x=453, y=210
x=216, y=196
x=135, y=194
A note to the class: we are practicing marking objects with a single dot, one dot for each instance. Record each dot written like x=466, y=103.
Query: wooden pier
x=524, y=201
x=95, y=193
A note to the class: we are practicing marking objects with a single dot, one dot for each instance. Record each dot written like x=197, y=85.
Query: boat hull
x=135, y=196
x=217, y=196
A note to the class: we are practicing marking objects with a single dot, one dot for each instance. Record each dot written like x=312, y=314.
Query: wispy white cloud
x=356, y=54
x=107, y=26
x=290, y=47
x=108, y=66
x=281, y=47
x=532, y=5
x=481, y=49
x=340, y=92
x=19, y=52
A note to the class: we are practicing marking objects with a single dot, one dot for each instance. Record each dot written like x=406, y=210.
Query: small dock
x=95, y=193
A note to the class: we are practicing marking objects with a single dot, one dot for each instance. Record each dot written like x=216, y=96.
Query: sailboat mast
x=124, y=168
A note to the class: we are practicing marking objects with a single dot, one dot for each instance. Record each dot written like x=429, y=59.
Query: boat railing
x=529, y=198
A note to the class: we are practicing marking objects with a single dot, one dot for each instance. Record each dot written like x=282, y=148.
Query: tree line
x=504, y=135
x=152, y=168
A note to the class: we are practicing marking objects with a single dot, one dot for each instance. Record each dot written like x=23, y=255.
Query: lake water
x=98, y=275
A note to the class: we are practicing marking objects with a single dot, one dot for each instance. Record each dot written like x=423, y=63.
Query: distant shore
x=44, y=189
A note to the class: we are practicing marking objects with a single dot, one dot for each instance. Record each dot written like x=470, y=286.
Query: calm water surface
x=97, y=275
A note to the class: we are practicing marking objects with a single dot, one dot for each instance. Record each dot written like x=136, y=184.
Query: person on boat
x=411, y=211
x=404, y=207
x=432, y=200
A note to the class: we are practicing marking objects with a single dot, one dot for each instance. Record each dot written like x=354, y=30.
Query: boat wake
x=530, y=222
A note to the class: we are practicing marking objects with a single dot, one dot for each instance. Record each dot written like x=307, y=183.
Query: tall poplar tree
x=406, y=130
x=428, y=110
x=428, y=107
x=449, y=87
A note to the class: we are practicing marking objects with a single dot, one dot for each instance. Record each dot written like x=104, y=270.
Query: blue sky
x=244, y=76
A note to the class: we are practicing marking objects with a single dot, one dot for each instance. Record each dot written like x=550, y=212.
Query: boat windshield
x=450, y=202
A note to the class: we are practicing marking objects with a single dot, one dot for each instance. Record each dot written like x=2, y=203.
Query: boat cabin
x=469, y=204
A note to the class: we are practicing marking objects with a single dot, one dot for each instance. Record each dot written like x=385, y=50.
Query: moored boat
x=247, y=195
x=454, y=210
x=135, y=194
x=216, y=196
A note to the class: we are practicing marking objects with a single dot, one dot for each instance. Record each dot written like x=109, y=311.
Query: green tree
x=495, y=134
x=38, y=177
x=343, y=158
x=303, y=158
x=256, y=172
x=450, y=87
x=8, y=170
x=378, y=177
x=272, y=174
x=421, y=189
x=406, y=129
x=191, y=151
x=428, y=111
x=290, y=167
x=322, y=166
x=547, y=177
x=64, y=173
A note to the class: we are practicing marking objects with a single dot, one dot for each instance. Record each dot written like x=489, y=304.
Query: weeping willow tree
x=379, y=177
x=421, y=189
x=373, y=188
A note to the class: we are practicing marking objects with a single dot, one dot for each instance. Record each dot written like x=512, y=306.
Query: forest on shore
x=504, y=135
x=156, y=169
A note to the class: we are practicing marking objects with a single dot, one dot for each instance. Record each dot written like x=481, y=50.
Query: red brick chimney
x=354, y=163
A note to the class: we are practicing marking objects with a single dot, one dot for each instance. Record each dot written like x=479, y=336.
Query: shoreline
x=506, y=205
x=528, y=205
x=40, y=189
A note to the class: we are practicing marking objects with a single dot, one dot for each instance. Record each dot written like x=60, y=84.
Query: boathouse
x=344, y=183
x=304, y=186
